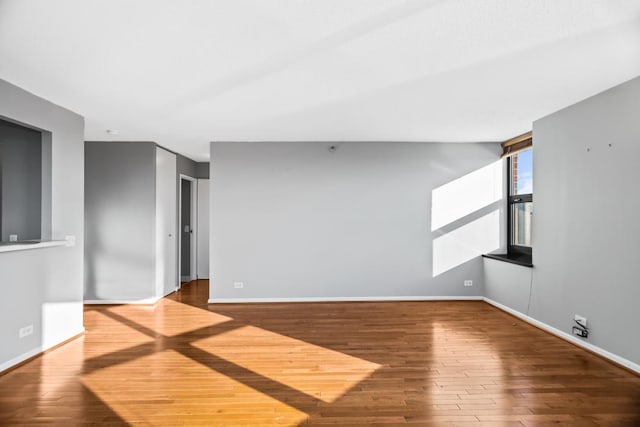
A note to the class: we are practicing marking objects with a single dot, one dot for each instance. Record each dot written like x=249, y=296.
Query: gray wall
x=120, y=219
x=296, y=220
x=43, y=287
x=585, y=223
x=508, y=284
x=21, y=180
x=586, y=229
x=202, y=170
x=186, y=166
x=120, y=214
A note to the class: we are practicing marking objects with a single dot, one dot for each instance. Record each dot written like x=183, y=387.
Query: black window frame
x=516, y=252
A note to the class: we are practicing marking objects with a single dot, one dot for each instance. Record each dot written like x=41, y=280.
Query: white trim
x=151, y=300
x=567, y=337
x=204, y=226
x=34, y=352
x=24, y=356
x=166, y=168
x=194, y=227
x=342, y=299
x=26, y=246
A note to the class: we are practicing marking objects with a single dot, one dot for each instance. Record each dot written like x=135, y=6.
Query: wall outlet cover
x=580, y=319
x=13, y=237
x=27, y=330
x=238, y=285
x=468, y=283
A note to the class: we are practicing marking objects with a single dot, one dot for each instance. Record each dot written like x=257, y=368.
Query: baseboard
x=625, y=363
x=176, y=289
x=34, y=353
x=20, y=359
x=146, y=301
x=343, y=299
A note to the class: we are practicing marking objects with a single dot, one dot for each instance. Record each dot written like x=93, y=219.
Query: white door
x=203, y=229
x=166, y=223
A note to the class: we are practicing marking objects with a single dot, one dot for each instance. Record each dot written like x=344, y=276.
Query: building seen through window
x=520, y=202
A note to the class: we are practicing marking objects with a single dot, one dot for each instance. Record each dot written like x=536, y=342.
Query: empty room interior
x=352, y=213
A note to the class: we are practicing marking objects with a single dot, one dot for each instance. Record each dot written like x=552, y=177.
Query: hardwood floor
x=182, y=362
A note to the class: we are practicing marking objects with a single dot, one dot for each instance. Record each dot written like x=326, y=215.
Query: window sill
x=23, y=246
x=524, y=261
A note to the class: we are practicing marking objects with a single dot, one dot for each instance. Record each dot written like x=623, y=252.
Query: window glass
x=521, y=214
x=522, y=173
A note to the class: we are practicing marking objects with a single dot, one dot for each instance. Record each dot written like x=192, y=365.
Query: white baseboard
x=342, y=299
x=177, y=288
x=567, y=337
x=149, y=301
x=34, y=352
x=24, y=356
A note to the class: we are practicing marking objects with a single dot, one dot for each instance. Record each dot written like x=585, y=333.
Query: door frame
x=194, y=227
x=204, y=227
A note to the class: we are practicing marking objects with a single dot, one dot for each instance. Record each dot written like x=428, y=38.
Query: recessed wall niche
x=25, y=182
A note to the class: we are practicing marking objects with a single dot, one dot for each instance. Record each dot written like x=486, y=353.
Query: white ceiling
x=183, y=73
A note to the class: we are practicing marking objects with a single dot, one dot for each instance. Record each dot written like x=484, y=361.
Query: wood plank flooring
x=182, y=362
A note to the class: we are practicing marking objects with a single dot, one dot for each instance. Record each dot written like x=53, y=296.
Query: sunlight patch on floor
x=105, y=335
x=183, y=317
x=316, y=371
x=185, y=388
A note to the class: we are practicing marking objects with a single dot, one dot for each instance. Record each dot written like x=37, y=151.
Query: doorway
x=187, y=235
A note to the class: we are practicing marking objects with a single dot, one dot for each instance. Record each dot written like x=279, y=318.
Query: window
x=519, y=154
x=520, y=181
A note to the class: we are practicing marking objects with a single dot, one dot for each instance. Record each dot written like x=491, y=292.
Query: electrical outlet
x=468, y=283
x=581, y=320
x=238, y=285
x=13, y=237
x=27, y=330
x=579, y=332
x=71, y=240
x=580, y=327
